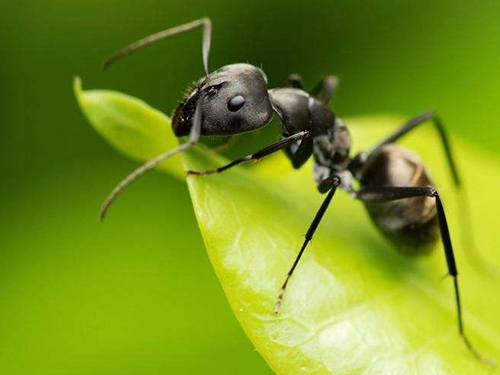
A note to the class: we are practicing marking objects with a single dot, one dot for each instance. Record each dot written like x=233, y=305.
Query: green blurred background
x=137, y=295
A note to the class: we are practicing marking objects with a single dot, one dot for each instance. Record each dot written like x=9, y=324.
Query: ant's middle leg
x=271, y=149
x=330, y=185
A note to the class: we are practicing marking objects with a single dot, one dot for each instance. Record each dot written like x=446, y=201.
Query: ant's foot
x=279, y=300
x=189, y=172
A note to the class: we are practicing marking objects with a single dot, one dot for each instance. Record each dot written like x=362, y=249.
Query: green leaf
x=354, y=305
x=129, y=125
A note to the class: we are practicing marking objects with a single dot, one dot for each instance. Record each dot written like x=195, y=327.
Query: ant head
x=235, y=101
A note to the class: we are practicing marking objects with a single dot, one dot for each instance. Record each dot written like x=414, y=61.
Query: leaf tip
x=77, y=87
x=77, y=84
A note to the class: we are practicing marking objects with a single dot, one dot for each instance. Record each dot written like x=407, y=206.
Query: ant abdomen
x=411, y=223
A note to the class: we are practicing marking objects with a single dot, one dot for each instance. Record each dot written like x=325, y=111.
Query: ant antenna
x=206, y=23
x=194, y=135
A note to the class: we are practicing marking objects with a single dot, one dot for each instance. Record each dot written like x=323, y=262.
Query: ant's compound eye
x=235, y=103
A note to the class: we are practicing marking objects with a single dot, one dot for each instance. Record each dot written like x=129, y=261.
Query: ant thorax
x=331, y=151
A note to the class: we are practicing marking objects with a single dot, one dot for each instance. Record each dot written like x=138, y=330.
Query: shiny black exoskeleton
x=394, y=184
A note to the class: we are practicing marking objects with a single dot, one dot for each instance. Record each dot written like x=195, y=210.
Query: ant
x=395, y=186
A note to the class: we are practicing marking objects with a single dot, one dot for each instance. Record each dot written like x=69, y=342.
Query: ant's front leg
x=295, y=80
x=299, y=152
x=325, y=88
x=271, y=149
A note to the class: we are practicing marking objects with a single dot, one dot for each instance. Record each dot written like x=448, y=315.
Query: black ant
x=394, y=184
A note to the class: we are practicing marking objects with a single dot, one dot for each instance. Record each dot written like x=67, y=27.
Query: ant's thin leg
x=385, y=194
x=325, y=88
x=295, y=80
x=207, y=37
x=194, y=135
x=465, y=224
x=412, y=124
x=333, y=182
x=281, y=144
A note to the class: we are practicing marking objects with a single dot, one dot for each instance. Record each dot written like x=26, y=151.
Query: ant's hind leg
x=412, y=124
x=386, y=194
x=463, y=202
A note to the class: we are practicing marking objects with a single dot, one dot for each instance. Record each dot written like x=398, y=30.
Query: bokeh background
x=137, y=295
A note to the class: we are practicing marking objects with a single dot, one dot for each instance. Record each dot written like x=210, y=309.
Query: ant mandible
x=395, y=187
